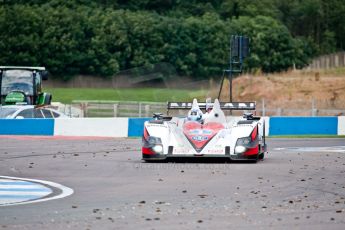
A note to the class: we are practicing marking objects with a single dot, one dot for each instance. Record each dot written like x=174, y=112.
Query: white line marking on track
x=23, y=193
x=335, y=149
x=18, y=186
x=14, y=199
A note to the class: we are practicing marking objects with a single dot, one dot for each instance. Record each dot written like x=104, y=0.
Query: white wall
x=101, y=127
x=341, y=125
x=267, y=125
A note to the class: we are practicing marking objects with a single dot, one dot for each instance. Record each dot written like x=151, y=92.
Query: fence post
x=139, y=109
x=70, y=111
x=115, y=110
x=83, y=107
x=263, y=107
x=314, y=110
x=147, y=110
x=279, y=111
x=336, y=60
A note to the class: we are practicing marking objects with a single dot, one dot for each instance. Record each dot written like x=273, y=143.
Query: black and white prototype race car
x=208, y=134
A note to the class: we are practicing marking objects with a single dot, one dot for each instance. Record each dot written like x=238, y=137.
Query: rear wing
x=223, y=105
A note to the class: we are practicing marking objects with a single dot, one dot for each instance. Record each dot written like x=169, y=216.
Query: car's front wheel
x=261, y=156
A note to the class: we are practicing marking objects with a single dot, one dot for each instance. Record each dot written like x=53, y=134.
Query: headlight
x=243, y=141
x=154, y=140
x=240, y=149
x=157, y=148
x=242, y=144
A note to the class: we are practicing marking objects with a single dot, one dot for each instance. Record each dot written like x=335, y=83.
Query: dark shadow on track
x=203, y=160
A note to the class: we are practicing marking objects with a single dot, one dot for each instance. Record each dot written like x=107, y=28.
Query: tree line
x=103, y=37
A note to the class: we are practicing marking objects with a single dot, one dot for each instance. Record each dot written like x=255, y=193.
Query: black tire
x=261, y=156
x=253, y=159
x=154, y=161
x=264, y=135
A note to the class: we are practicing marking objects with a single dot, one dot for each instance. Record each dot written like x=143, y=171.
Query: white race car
x=208, y=134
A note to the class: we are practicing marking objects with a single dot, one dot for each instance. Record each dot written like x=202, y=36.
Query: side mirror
x=44, y=75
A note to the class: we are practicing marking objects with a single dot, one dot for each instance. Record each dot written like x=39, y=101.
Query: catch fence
x=264, y=107
x=328, y=61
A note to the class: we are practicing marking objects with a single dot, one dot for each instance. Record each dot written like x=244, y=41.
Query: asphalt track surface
x=292, y=188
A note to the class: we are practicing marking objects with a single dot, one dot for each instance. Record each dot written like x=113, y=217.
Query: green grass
x=67, y=95
x=336, y=71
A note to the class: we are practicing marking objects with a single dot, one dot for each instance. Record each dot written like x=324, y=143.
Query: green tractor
x=23, y=86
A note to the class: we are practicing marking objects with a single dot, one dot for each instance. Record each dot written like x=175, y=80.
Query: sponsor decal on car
x=181, y=151
x=200, y=132
x=215, y=151
x=194, y=131
x=156, y=125
x=206, y=132
x=200, y=138
x=199, y=135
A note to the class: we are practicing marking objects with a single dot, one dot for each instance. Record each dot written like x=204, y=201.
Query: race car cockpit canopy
x=215, y=115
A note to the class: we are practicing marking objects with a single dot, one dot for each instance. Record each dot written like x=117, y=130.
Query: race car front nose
x=153, y=146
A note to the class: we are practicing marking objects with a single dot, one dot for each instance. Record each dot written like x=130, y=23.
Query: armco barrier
x=267, y=125
x=133, y=127
x=303, y=126
x=136, y=126
x=43, y=127
x=102, y=127
x=341, y=125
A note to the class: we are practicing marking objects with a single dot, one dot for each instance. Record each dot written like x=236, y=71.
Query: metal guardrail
x=146, y=109
x=119, y=108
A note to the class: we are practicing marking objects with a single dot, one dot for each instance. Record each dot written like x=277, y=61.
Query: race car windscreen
x=17, y=80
